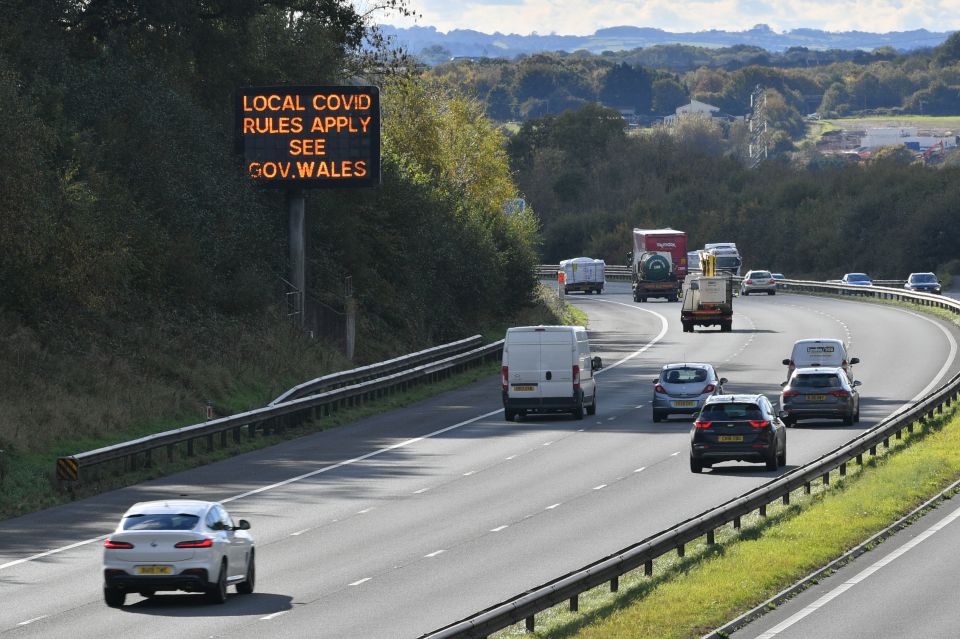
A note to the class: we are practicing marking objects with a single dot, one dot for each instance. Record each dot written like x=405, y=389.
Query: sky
x=583, y=17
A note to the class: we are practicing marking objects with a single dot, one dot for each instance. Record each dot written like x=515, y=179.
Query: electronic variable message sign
x=302, y=137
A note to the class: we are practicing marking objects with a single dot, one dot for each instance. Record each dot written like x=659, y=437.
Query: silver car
x=177, y=544
x=758, y=282
x=683, y=388
x=821, y=392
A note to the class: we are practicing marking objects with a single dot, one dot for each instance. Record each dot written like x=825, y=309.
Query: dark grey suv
x=822, y=392
x=737, y=428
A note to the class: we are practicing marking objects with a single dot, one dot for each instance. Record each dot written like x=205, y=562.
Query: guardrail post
x=786, y=499
x=710, y=538
x=574, y=603
x=681, y=551
x=648, y=568
x=873, y=450
x=826, y=479
x=148, y=458
x=170, y=449
x=736, y=523
x=899, y=434
x=859, y=459
x=189, y=448
x=843, y=469
x=886, y=442
x=210, y=443
x=763, y=510
x=530, y=623
x=807, y=488
x=615, y=584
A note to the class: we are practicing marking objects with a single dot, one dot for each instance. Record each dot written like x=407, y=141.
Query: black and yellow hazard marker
x=68, y=468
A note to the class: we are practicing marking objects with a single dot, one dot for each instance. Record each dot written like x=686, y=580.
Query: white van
x=548, y=369
x=818, y=352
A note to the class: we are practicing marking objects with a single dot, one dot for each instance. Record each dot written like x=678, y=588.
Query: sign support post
x=296, y=207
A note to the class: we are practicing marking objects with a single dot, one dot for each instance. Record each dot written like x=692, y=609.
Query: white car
x=178, y=544
x=758, y=282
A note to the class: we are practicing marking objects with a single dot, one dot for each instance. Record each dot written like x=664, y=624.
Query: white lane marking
x=641, y=469
x=435, y=553
x=610, y=419
x=498, y=528
x=553, y=506
x=640, y=406
x=601, y=486
x=675, y=454
x=364, y=511
x=375, y=453
x=511, y=457
x=29, y=621
x=299, y=532
x=469, y=472
x=839, y=590
x=361, y=581
x=579, y=430
x=943, y=369
x=274, y=615
x=421, y=491
x=547, y=443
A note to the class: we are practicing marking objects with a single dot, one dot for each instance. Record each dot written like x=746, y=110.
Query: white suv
x=177, y=544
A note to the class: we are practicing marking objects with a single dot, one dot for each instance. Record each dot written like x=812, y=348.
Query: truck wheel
x=578, y=412
x=509, y=414
x=771, y=292
x=726, y=327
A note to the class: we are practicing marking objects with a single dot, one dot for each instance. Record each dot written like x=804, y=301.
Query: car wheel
x=114, y=597
x=509, y=414
x=217, y=594
x=856, y=415
x=147, y=593
x=592, y=408
x=657, y=415
x=578, y=412
x=848, y=421
x=245, y=587
x=773, y=461
x=771, y=292
x=696, y=466
x=782, y=457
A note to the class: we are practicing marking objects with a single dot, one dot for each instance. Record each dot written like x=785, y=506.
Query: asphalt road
x=406, y=521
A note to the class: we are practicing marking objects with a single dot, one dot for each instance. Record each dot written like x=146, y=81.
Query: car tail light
x=117, y=545
x=659, y=389
x=709, y=388
x=505, y=377
x=790, y=393
x=195, y=543
x=747, y=282
x=843, y=363
x=840, y=393
x=576, y=377
x=771, y=281
x=699, y=424
x=759, y=423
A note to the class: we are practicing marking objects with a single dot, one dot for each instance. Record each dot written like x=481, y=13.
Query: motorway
x=406, y=521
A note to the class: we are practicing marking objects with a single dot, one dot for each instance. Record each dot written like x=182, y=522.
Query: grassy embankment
x=63, y=400
x=687, y=597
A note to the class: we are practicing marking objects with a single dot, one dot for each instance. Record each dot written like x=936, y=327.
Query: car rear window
x=816, y=380
x=712, y=412
x=761, y=274
x=924, y=278
x=160, y=521
x=684, y=375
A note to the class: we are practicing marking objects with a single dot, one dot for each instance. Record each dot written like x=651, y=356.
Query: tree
x=626, y=86
x=668, y=94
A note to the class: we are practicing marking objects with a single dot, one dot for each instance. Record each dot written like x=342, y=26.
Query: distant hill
x=465, y=42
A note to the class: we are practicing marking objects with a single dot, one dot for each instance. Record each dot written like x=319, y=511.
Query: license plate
x=154, y=570
x=684, y=403
x=730, y=438
x=816, y=398
x=524, y=387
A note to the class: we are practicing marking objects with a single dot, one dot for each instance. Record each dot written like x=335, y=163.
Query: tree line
x=654, y=81
x=591, y=182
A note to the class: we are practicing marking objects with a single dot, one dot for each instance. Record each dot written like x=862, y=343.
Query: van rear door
x=557, y=357
x=523, y=360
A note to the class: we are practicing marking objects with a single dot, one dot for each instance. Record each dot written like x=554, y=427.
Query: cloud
x=577, y=17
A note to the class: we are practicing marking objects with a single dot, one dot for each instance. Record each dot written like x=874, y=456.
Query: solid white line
x=274, y=615
x=434, y=554
x=29, y=621
x=675, y=454
x=375, y=453
x=361, y=581
x=421, y=491
x=641, y=469
x=547, y=443
x=468, y=473
x=553, y=506
x=511, y=457
x=498, y=528
x=299, y=532
x=839, y=590
x=601, y=486
x=364, y=511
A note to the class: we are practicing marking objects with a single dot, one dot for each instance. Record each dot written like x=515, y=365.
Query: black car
x=737, y=428
x=923, y=283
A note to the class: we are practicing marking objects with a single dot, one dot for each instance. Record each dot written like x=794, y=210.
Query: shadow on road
x=189, y=605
